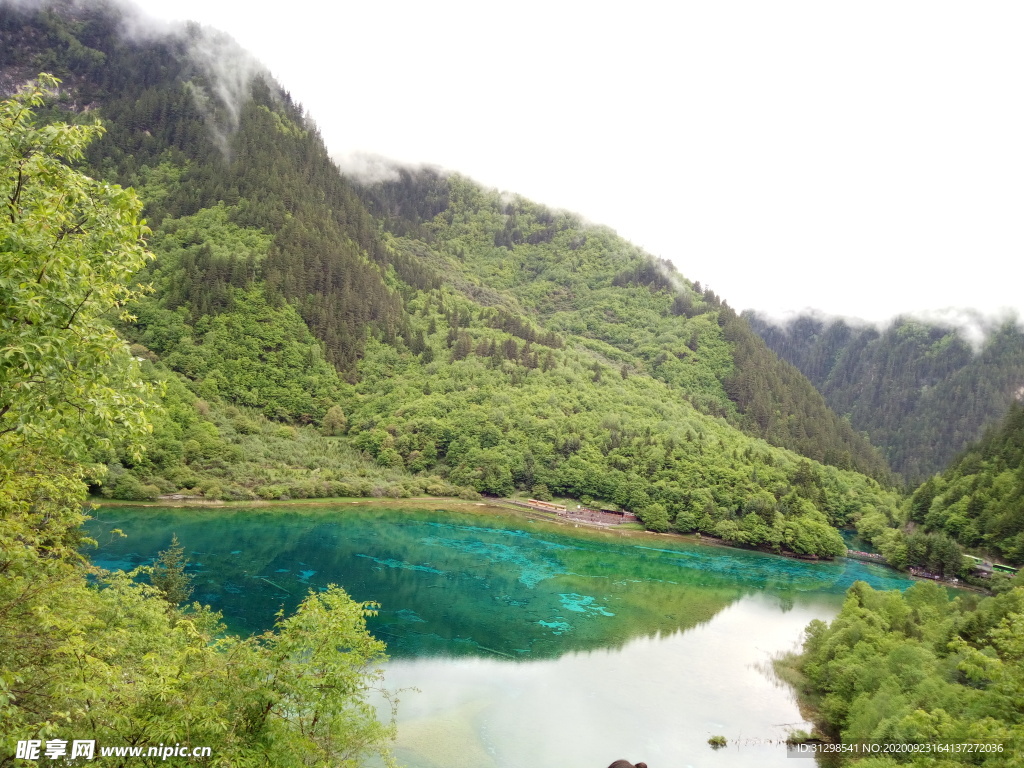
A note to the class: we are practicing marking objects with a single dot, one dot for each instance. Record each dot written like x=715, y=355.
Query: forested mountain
x=295, y=333
x=585, y=283
x=979, y=499
x=315, y=337
x=919, y=391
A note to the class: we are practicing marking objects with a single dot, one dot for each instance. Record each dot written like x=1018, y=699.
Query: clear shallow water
x=853, y=540
x=529, y=644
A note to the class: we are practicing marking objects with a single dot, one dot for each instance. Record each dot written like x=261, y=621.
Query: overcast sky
x=864, y=158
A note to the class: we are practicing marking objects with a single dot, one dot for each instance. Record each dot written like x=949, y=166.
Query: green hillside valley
x=460, y=342
x=362, y=389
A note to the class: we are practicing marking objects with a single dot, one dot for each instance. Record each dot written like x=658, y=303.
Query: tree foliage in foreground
x=168, y=574
x=69, y=246
x=96, y=655
x=917, y=668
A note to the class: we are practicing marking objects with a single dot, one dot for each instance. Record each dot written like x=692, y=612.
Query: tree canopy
x=919, y=390
x=917, y=668
x=979, y=499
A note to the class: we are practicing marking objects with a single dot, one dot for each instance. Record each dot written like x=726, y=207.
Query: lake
x=517, y=642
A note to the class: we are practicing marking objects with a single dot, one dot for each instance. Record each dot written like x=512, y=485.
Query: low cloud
x=370, y=169
x=228, y=68
x=972, y=326
x=223, y=70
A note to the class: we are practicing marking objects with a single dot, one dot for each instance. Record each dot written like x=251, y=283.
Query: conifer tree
x=169, y=575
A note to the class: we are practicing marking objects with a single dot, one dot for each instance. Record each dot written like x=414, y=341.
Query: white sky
x=863, y=158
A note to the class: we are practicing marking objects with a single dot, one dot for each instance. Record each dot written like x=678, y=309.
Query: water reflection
x=655, y=699
x=528, y=644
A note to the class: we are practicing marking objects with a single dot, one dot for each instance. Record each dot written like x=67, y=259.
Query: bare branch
x=75, y=313
x=15, y=197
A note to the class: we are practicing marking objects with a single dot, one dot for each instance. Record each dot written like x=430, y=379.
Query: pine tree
x=169, y=574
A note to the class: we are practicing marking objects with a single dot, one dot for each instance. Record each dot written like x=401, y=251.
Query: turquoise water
x=528, y=643
x=853, y=540
x=457, y=584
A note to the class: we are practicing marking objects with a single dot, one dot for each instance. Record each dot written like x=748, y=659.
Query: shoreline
x=504, y=506
x=455, y=504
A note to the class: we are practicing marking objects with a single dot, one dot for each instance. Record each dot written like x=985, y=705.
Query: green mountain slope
x=103, y=654
x=316, y=338
x=979, y=499
x=919, y=391
x=586, y=283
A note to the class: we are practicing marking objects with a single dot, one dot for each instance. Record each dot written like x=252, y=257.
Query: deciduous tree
x=69, y=246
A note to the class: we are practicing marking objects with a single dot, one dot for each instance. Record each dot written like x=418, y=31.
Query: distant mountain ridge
x=919, y=390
